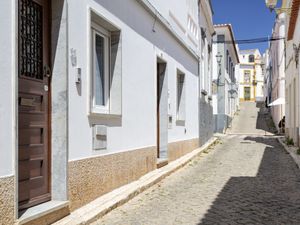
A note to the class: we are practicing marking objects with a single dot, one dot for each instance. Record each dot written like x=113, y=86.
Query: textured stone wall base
x=93, y=177
x=293, y=132
x=7, y=200
x=181, y=148
x=222, y=122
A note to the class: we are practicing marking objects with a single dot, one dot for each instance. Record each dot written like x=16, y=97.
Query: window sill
x=112, y=120
x=103, y=115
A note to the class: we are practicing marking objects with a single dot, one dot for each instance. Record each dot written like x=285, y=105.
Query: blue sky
x=249, y=18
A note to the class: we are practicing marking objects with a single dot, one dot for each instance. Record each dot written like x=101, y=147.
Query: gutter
x=153, y=11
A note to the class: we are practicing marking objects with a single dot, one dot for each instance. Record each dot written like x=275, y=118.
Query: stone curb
x=106, y=203
x=291, y=150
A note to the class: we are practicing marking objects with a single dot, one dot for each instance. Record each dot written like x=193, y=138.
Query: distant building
x=225, y=77
x=251, y=77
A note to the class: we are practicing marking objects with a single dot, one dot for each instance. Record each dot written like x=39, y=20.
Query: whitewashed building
x=292, y=72
x=276, y=69
x=206, y=68
x=95, y=94
x=225, y=77
x=267, y=78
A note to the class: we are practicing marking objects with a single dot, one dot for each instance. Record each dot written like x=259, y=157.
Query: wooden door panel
x=31, y=151
x=24, y=170
x=35, y=168
x=26, y=120
x=30, y=136
x=24, y=191
x=36, y=186
x=33, y=103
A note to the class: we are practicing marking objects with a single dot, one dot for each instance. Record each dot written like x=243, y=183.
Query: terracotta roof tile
x=293, y=19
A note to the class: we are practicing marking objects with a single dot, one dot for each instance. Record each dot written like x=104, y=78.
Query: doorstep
x=106, y=203
x=44, y=212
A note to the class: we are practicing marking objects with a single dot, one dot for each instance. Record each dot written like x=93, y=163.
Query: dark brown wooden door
x=33, y=103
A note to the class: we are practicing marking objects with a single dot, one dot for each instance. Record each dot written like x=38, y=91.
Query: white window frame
x=98, y=30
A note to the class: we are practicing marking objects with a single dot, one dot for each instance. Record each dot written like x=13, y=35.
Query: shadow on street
x=264, y=120
x=271, y=197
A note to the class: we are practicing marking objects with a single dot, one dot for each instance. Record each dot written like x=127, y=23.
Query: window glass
x=247, y=76
x=180, y=96
x=99, y=71
x=251, y=58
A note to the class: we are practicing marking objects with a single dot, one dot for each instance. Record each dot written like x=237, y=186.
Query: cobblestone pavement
x=243, y=180
x=253, y=118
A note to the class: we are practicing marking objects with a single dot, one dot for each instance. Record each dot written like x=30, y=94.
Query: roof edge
x=229, y=26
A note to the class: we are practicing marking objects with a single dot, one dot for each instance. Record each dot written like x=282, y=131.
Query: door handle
x=47, y=71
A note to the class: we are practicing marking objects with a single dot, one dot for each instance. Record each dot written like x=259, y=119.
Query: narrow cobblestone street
x=243, y=180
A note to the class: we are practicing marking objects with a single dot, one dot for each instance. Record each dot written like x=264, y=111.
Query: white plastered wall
x=140, y=48
x=7, y=87
x=292, y=80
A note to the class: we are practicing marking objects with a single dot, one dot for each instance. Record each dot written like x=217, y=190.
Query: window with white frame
x=180, y=96
x=106, y=68
x=100, y=70
x=247, y=75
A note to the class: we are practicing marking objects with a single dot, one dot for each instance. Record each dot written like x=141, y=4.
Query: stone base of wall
x=93, y=177
x=293, y=132
x=222, y=122
x=50, y=218
x=7, y=200
x=206, y=120
x=180, y=148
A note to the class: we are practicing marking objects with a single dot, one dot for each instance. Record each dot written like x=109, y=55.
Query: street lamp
x=219, y=58
x=219, y=61
x=271, y=4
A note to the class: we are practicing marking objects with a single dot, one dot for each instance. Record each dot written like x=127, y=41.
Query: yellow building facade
x=251, y=79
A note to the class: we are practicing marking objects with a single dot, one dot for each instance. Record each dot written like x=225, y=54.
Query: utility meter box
x=99, y=137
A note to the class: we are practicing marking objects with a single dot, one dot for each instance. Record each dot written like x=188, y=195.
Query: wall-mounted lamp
x=78, y=76
x=219, y=61
x=296, y=50
x=219, y=58
x=271, y=4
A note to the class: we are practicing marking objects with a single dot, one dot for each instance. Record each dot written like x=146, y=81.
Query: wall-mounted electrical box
x=78, y=76
x=99, y=137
